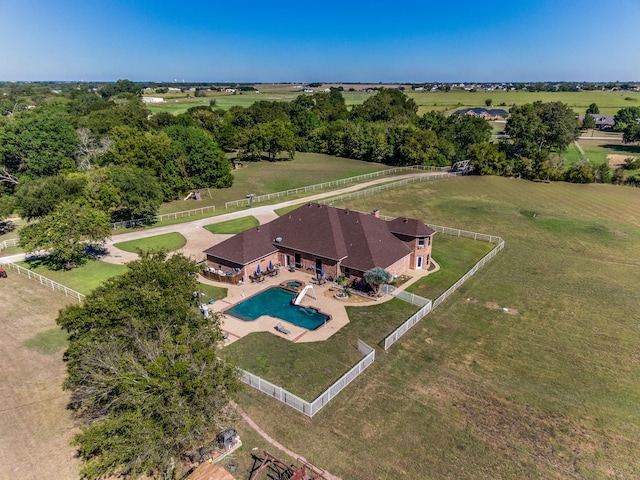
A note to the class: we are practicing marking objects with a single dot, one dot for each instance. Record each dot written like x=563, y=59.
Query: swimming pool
x=276, y=302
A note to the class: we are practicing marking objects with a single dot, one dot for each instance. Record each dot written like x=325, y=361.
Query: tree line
x=103, y=152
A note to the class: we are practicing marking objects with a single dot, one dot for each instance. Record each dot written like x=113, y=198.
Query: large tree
x=137, y=192
x=67, y=234
x=194, y=160
x=120, y=86
x=386, y=105
x=38, y=198
x=38, y=144
x=627, y=116
x=537, y=127
x=143, y=370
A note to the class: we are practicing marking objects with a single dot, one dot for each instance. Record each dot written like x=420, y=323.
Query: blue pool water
x=276, y=302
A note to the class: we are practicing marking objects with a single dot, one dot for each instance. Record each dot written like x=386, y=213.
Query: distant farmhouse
x=152, y=100
x=322, y=238
x=603, y=122
x=486, y=113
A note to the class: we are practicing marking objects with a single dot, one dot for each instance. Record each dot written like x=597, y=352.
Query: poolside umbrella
x=258, y=269
x=270, y=265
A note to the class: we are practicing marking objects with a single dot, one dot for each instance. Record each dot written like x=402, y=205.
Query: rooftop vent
x=278, y=239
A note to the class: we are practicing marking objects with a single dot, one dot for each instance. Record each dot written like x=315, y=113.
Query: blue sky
x=447, y=41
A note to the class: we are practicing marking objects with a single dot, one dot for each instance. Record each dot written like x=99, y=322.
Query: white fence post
x=311, y=408
x=411, y=298
x=44, y=281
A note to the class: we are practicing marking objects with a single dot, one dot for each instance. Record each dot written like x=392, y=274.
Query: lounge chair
x=281, y=329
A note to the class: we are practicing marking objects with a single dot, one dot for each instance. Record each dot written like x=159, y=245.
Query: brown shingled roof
x=410, y=227
x=361, y=241
x=245, y=247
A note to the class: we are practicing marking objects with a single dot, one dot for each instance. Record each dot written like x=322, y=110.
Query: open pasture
x=609, y=102
x=476, y=392
x=268, y=177
x=180, y=103
x=599, y=151
x=35, y=424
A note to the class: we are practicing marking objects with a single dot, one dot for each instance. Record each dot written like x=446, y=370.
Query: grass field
x=83, y=279
x=474, y=392
x=295, y=366
x=598, y=150
x=608, y=102
x=269, y=177
x=231, y=227
x=35, y=424
x=168, y=242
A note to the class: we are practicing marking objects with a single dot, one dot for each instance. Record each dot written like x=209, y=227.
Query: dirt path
x=276, y=444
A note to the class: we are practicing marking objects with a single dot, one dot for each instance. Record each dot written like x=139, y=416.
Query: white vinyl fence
x=427, y=305
x=333, y=184
x=311, y=408
x=44, y=281
x=388, y=186
x=165, y=216
x=262, y=198
x=12, y=242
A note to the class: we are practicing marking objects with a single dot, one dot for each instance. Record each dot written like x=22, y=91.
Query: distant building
x=603, y=122
x=486, y=113
x=152, y=100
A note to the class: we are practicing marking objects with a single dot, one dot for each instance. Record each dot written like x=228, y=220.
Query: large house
x=602, y=121
x=321, y=238
x=486, y=113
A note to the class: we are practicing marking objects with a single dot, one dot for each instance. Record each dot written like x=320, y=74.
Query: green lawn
x=455, y=257
x=233, y=226
x=8, y=235
x=294, y=366
x=167, y=241
x=608, y=102
x=285, y=210
x=474, y=392
x=83, y=279
x=48, y=342
x=307, y=369
x=269, y=177
x=211, y=292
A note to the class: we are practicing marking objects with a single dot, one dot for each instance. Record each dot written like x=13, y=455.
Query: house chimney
x=376, y=213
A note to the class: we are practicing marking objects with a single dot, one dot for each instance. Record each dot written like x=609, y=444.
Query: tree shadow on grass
x=54, y=262
x=630, y=149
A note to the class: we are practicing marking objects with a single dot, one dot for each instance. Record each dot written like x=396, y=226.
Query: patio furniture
x=281, y=329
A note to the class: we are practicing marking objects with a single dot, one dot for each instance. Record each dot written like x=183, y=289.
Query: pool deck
x=323, y=301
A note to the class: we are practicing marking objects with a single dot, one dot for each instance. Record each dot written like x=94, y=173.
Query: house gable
x=354, y=240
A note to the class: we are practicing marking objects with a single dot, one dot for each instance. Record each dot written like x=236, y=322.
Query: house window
x=298, y=260
x=420, y=243
x=346, y=271
x=429, y=240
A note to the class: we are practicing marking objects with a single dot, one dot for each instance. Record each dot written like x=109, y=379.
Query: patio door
x=287, y=260
x=298, y=260
x=419, y=263
x=318, y=266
